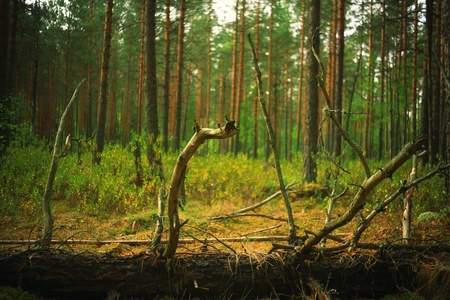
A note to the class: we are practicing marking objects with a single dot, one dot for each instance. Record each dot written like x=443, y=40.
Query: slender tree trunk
x=241, y=76
x=102, y=100
x=165, y=123
x=111, y=133
x=255, y=103
x=234, y=63
x=426, y=86
x=57, y=152
x=405, y=67
x=4, y=38
x=176, y=137
x=66, y=80
x=34, y=70
x=151, y=107
x=367, y=126
x=199, y=105
x=89, y=79
x=141, y=74
x=339, y=74
x=186, y=99
x=446, y=48
x=300, y=83
x=436, y=90
x=312, y=99
x=270, y=73
x=382, y=77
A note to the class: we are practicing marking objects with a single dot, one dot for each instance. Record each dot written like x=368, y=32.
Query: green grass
x=105, y=197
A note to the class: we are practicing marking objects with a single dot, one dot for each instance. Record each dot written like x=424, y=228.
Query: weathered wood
x=62, y=275
x=200, y=136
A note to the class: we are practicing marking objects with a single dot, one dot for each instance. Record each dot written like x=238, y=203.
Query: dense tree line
x=171, y=62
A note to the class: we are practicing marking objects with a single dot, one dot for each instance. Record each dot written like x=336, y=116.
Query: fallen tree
x=65, y=275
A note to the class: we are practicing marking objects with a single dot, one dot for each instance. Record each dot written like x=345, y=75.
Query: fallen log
x=65, y=275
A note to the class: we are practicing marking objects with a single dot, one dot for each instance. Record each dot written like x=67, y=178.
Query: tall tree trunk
x=89, y=79
x=331, y=73
x=35, y=68
x=367, y=127
x=382, y=77
x=312, y=99
x=186, y=99
x=300, y=81
x=234, y=63
x=66, y=80
x=446, y=48
x=436, y=90
x=269, y=75
x=241, y=76
x=151, y=104
x=140, y=95
x=339, y=74
x=111, y=133
x=176, y=137
x=405, y=81
x=255, y=103
x=426, y=86
x=102, y=100
x=4, y=94
x=166, y=102
x=199, y=105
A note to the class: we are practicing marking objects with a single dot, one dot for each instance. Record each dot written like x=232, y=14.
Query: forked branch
x=200, y=135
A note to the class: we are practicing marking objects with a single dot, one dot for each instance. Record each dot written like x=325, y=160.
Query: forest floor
x=104, y=203
x=71, y=224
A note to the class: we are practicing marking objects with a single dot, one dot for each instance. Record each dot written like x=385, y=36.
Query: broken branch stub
x=200, y=136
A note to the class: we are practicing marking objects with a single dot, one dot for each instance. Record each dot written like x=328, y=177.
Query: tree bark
x=312, y=99
x=57, y=152
x=200, y=136
x=339, y=75
x=102, y=100
x=300, y=81
x=241, y=76
x=177, y=118
x=58, y=275
x=166, y=102
x=446, y=46
x=151, y=105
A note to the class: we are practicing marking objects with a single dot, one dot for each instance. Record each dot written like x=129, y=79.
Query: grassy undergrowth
x=104, y=202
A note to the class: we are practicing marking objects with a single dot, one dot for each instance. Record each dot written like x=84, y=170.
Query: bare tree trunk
x=300, y=83
x=200, y=136
x=340, y=75
x=140, y=95
x=151, y=105
x=165, y=123
x=176, y=137
x=312, y=100
x=241, y=76
x=57, y=153
x=101, y=114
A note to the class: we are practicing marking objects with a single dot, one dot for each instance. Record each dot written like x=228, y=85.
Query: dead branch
x=381, y=206
x=248, y=215
x=362, y=194
x=57, y=153
x=272, y=143
x=146, y=242
x=320, y=80
x=200, y=136
x=254, y=206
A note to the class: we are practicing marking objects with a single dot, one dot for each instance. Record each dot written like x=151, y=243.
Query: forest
x=224, y=149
